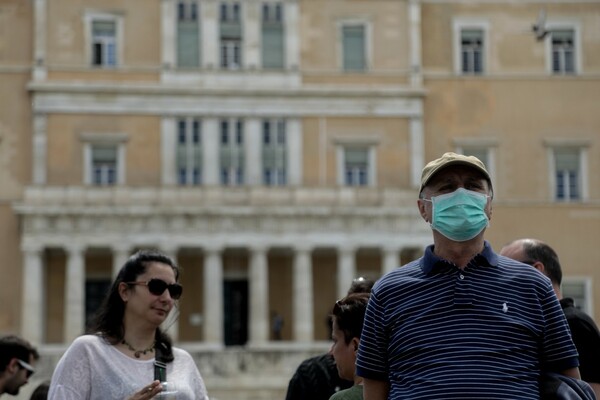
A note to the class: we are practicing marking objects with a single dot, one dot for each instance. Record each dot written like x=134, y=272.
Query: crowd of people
x=460, y=322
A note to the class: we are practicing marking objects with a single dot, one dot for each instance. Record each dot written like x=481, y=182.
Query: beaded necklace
x=138, y=353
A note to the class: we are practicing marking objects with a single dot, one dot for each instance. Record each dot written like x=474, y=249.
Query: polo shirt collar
x=431, y=262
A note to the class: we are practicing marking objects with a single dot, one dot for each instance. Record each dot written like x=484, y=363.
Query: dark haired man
x=348, y=316
x=461, y=322
x=583, y=328
x=317, y=378
x=17, y=359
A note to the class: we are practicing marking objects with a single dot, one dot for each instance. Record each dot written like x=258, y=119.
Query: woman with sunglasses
x=127, y=355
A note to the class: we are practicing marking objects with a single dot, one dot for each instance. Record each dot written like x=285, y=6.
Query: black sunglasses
x=23, y=365
x=157, y=287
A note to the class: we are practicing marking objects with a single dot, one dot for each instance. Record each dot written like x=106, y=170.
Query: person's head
x=41, y=391
x=145, y=290
x=537, y=254
x=348, y=315
x=361, y=285
x=17, y=360
x=455, y=196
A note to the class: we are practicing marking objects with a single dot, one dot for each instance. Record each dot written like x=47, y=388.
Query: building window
x=274, y=153
x=471, y=50
x=104, y=164
x=104, y=43
x=104, y=158
x=563, y=51
x=189, y=151
x=356, y=166
x=354, y=56
x=232, y=152
x=230, y=35
x=272, y=36
x=188, y=40
x=567, y=173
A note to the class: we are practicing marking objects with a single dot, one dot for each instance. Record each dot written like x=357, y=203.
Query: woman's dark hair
x=41, y=392
x=349, y=314
x=108, y=322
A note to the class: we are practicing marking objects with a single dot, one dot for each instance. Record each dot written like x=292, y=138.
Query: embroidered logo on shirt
x=504, y=308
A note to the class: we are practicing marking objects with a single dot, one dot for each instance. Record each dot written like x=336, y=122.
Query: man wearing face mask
x=461, y=322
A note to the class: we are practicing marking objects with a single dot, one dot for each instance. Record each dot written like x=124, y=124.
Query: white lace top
x=92, y=369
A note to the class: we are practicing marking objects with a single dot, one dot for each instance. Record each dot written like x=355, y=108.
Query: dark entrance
x=236, y=312
x=95, y=290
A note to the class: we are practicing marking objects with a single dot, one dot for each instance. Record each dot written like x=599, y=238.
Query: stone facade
x=275, y=174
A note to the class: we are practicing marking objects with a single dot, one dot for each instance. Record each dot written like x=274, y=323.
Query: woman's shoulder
x=88, y=342
x=181, y=354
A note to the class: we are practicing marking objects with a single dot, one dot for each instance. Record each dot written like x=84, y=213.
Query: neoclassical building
x=274, y=149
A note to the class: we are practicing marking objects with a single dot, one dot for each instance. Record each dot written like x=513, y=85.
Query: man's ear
x=355, y=342
x=539, y=266
x=421, y=204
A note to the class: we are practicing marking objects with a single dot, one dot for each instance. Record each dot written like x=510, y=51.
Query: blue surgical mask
x=459, y=215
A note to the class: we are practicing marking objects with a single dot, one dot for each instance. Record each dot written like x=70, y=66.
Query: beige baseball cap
x=447, y=160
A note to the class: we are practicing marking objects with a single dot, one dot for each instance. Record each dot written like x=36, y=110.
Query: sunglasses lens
x=175, y=291
x=157, y=286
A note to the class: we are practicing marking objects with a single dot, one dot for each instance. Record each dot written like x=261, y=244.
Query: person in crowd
x=316, y=378
x=17, y=361
x=461, y=321
x=584, y=330
x=41, y=391
x=348, y=315
x=127, y=355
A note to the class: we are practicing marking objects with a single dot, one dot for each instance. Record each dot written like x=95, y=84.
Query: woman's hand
x=147, y=392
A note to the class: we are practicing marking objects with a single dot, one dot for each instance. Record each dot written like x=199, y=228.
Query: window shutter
x=103, y=28
x=356, y=157
x=567, y=159
x=354, y=48
x=188, y=53
x=104, y=154
x=272, y=45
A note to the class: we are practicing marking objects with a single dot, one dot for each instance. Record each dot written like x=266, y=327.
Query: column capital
x=31, y=246
x=212, y=248
x=75, y=248
x=347, y=248
x=303, y=248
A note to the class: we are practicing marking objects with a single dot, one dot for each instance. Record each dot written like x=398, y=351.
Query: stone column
x=74, y=310
x=120, y=254
x=292, y=42
x=253, y=156
x=39, y=148
x=390, y=259
x=294, y=151
x=32, y=315
x=213, y=296
x=210, y=150
x=251, y=15
x=303, y=295
x=39, y=40
x=414, y=16
x=346, y=270
x=259, y=296
x=168, y=33
x=210, y=34
x=417, y=150
x=168, y=149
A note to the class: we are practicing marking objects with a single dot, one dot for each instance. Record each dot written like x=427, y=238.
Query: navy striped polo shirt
x=438, y=332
